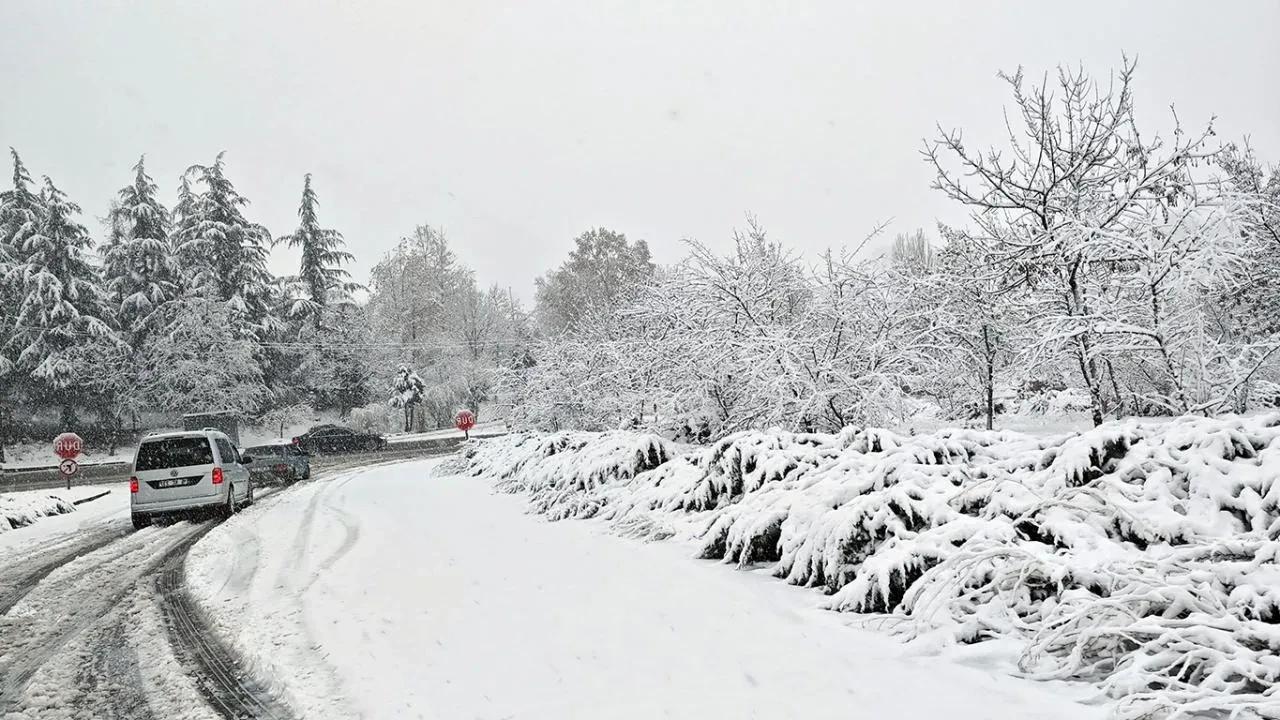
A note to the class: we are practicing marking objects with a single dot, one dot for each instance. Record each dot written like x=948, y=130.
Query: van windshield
x=173, y=453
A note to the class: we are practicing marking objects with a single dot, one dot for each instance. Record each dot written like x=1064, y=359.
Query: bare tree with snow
x=1098, y=219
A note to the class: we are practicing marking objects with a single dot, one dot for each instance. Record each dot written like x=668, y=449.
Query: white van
x=179, y=472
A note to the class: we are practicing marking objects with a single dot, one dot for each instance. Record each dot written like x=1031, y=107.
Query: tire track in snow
x=350, y=529
x=20, y=578
x=112, y=660
x=94, y=677
x=295, y=578
x=300, y=580
x=248, y=683
x=75, y=597
x=223, y=679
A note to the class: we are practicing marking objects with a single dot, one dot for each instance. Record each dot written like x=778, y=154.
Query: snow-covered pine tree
x=20, y=213
x=62, y=302
x=226, y=255
x=138, y=259
x=321, y=279
x=182, y=223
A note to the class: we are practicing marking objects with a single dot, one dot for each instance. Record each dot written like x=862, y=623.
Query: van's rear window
x=173, y=453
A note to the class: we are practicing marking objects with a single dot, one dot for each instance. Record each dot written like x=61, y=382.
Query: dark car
x=332, y=439
x=279, y=462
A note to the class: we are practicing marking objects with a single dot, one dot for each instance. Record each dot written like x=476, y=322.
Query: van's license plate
x=171, y=482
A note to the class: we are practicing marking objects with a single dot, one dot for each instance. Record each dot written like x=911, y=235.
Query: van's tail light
x=217, y=476
x=133, y=484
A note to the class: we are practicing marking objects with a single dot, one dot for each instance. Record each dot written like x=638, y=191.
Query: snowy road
x=394, y=593
x=69, y=615
x=96, y=621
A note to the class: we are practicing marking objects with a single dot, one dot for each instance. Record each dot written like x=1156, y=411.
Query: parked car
x=181, y=472
x=329, y=439
x=278, y=463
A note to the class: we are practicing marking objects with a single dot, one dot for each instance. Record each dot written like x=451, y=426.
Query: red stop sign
x=67, y=445
x=464, y=420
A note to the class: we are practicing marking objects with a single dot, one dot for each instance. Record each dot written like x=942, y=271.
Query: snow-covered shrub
x=376, y=418
x=1137, y=555
x=743, y=462
x=566, y=473
x=1265, y=394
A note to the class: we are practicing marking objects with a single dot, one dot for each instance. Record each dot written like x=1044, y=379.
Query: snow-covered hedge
x=23, y=508
x=1138, y=556
x=566, y=474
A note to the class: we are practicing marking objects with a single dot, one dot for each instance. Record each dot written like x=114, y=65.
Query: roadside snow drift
x=1140, y=557
x=20, y=509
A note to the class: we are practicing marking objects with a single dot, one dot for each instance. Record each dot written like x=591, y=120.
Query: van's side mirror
x=246, y=459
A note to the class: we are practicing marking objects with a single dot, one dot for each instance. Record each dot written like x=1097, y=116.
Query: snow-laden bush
x=376, y=419
x=1139, y=556
x=565, y=474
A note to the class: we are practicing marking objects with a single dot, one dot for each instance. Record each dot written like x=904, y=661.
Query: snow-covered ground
x=23, y=508
x=406, y=592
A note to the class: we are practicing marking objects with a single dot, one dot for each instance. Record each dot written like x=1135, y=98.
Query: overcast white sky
x=516, y=125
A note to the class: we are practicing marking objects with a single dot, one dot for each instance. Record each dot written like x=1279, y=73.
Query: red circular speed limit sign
x=67, y=446
x=68, y=467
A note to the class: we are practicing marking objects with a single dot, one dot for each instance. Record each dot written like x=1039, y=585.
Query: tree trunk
x=4, y=424
x=113, y=435
x=990, y=379
x=1095, y=393
x=1077, y=306
x=1115, y=390
x=991, y=397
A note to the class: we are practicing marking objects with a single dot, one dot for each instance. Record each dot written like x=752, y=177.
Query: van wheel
x=141, y=520
x=226, y=511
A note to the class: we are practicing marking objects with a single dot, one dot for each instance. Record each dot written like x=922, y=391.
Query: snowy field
x=406, y=592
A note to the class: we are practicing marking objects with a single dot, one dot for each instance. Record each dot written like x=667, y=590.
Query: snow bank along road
x=405, y=592
x=95, y=622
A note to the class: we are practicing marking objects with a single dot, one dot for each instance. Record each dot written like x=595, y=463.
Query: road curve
x=72, y=635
